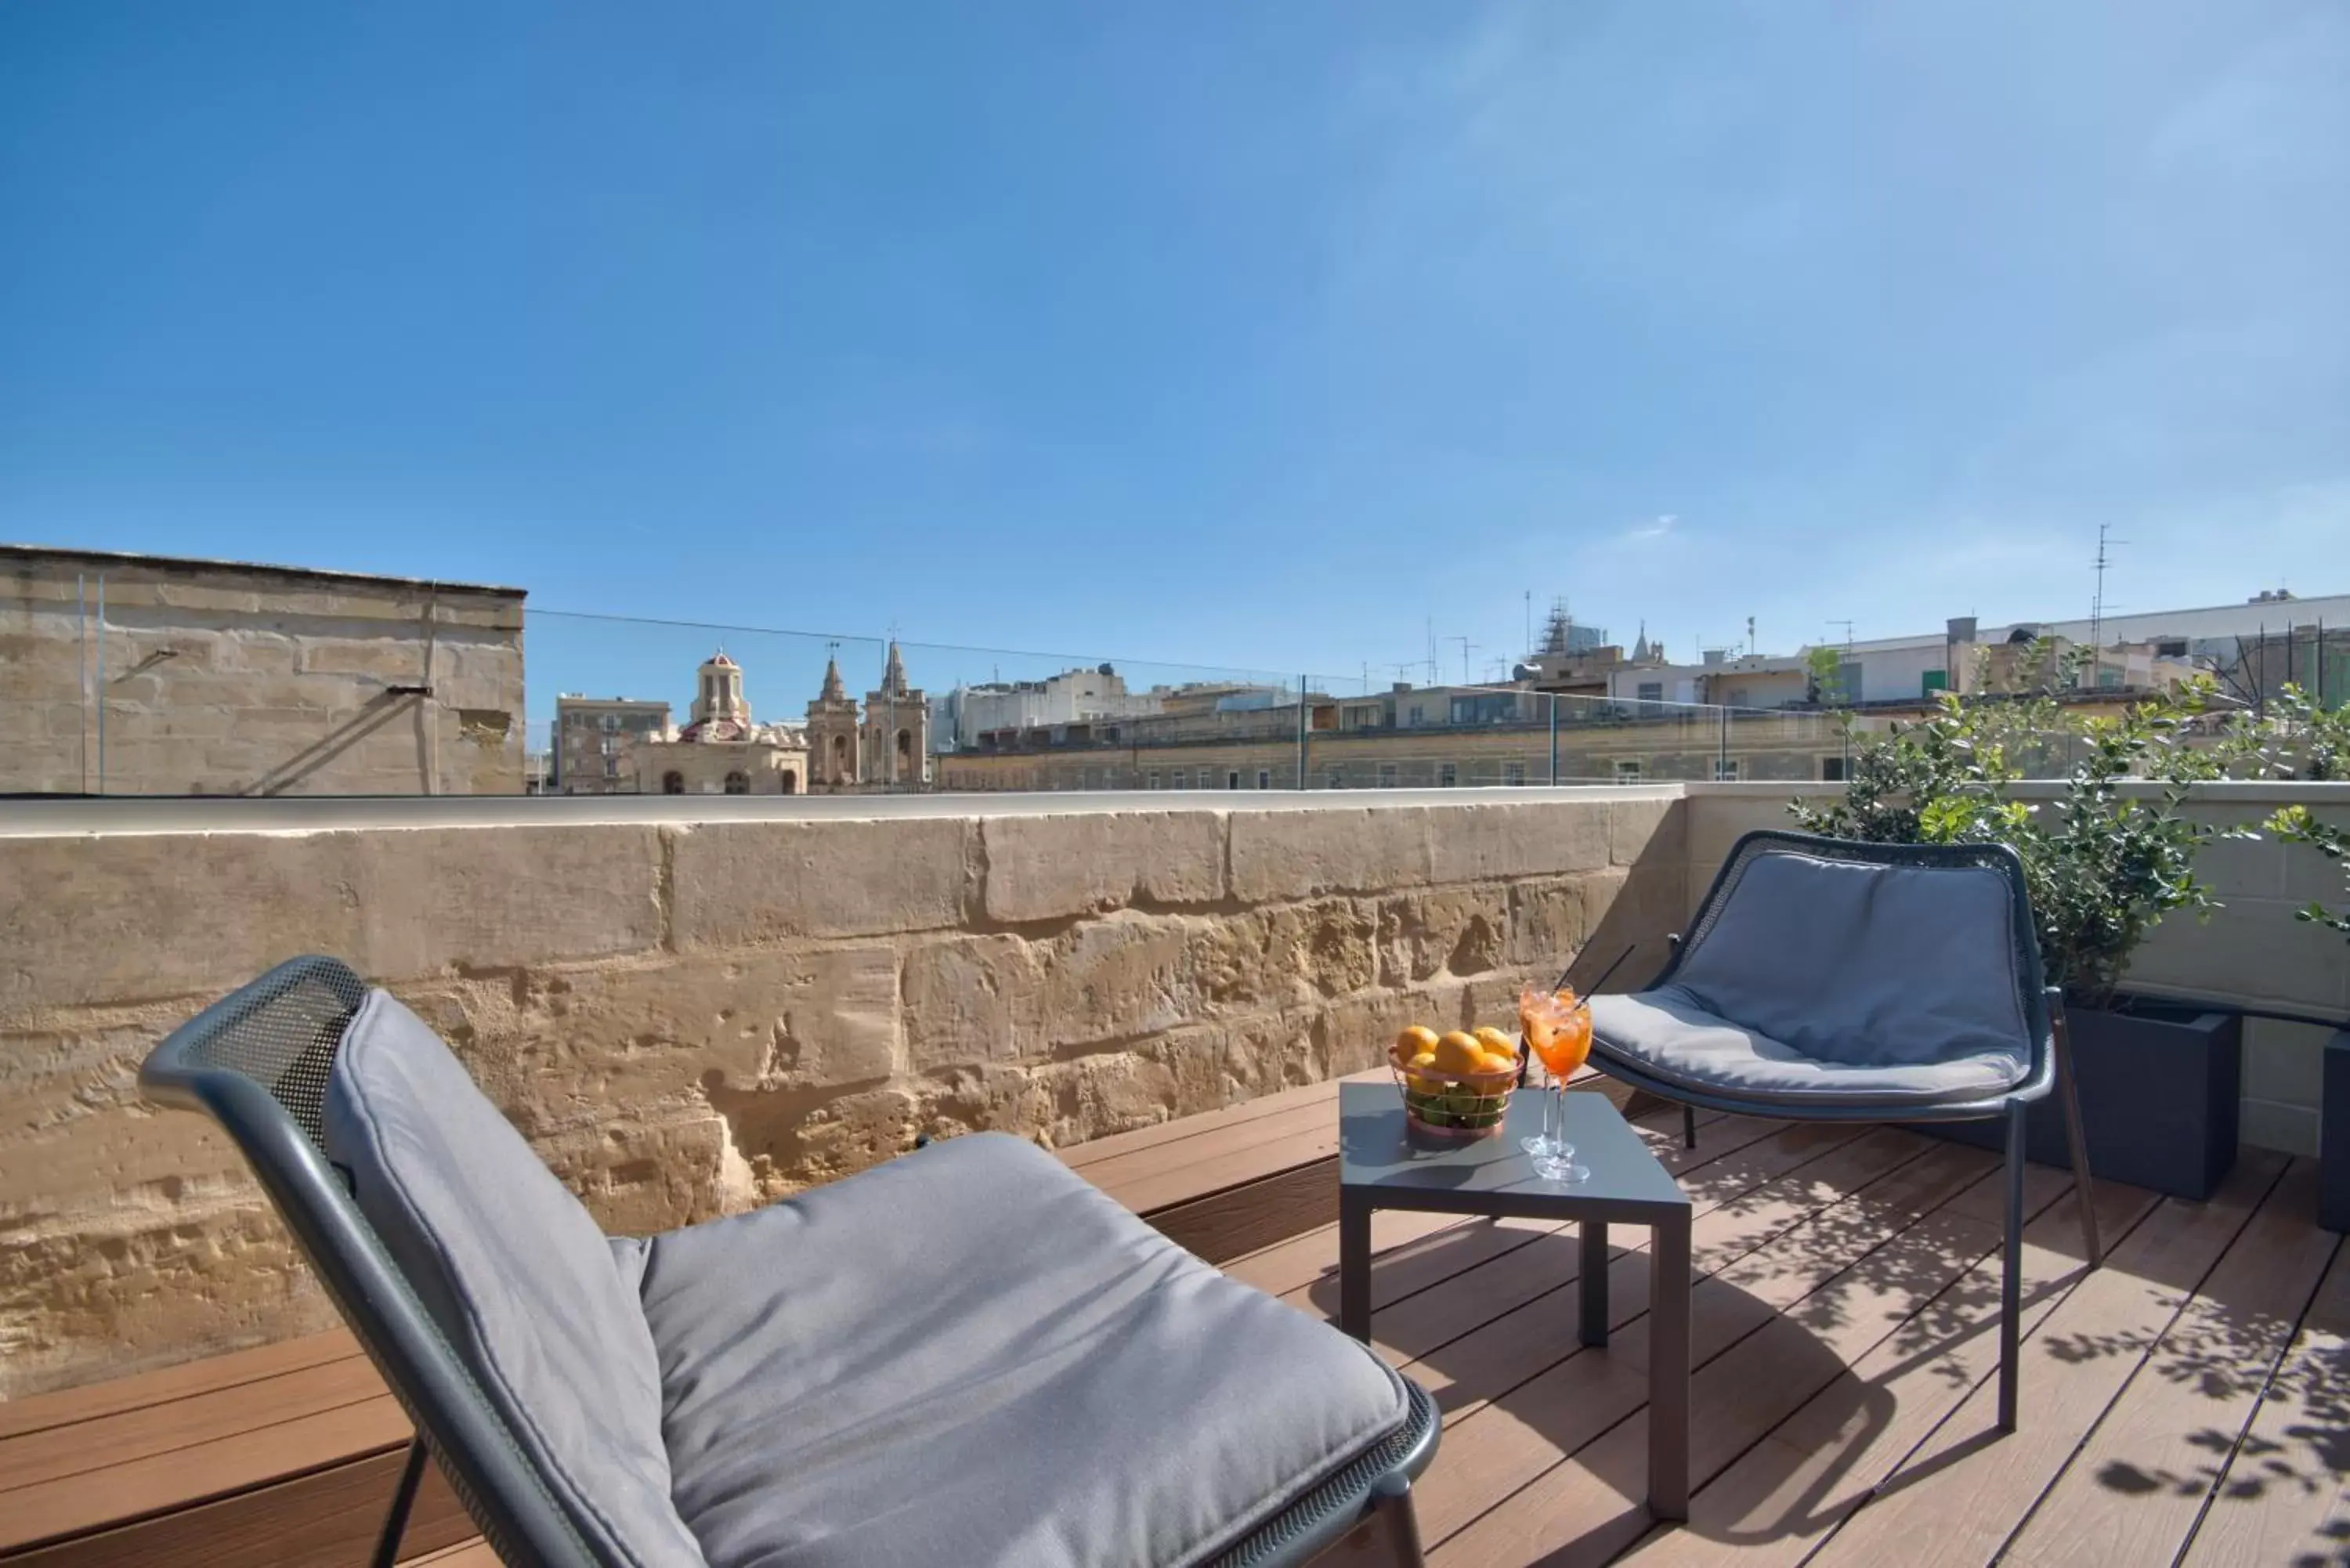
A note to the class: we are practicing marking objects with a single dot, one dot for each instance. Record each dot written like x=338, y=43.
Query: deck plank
x=1883, y=1300
x=1773, y=1504
x=1520, y=1435
x=2136, y=1490
x=2286, y=1494
x=1960, y=1495
x=109, y=1441
x=40, y=1412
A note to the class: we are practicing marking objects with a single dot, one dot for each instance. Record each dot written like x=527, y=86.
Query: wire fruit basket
x=1451, y=1104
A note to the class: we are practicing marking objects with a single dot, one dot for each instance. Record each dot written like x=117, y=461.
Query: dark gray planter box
x=2158, y=1090
x=2333, y=1137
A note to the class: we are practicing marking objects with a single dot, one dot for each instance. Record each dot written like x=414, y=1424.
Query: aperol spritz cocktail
x=1557, y=1027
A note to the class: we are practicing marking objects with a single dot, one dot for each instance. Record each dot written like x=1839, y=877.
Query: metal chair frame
x=257, y=1062
x=2049, y=1071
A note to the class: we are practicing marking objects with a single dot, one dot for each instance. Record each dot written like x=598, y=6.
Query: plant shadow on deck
x=1884, y=1248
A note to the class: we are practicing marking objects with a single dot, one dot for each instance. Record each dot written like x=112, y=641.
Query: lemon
x=1460, y=1053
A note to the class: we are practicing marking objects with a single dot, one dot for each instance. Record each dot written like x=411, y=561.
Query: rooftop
x=2183, y=1404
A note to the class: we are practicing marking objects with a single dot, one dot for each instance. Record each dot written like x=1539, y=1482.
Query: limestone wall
x=691, y=1006
x=133, y=675
x=2251, y=953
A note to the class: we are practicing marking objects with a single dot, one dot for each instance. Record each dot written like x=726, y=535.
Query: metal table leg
x=1355, y=1266
x=1594, y=1282
x=1669, y=1369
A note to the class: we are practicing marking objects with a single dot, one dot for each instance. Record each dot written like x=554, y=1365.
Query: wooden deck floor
x=2187, y=1403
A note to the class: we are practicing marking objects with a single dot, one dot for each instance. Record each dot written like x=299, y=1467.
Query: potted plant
x=2158, y=1081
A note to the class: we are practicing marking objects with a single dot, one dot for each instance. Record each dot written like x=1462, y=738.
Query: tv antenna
x=1467, y=647
x=2097, y=601
x=1847, y=633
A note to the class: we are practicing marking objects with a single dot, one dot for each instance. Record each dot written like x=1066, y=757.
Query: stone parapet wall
x=693, y=1009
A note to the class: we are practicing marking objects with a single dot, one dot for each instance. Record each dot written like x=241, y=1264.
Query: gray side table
x=1379, y=1168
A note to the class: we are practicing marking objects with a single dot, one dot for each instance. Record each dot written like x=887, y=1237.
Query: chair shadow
x=1759, y=1363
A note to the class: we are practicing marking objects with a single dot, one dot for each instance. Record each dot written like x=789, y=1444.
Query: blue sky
x=1236, y=334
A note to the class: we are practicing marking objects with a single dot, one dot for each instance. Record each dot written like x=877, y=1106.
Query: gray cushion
x=1666, y=1035
x=1824, y=979
x=515, y=1274
x=970, y=1355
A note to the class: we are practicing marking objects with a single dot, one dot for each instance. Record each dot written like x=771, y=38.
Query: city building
x=720, y=751
x=129, y=674
x=959, y=716
x=593, y=737
x=832, y=733
x=894, y=742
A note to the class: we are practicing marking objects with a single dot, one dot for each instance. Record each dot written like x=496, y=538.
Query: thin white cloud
x=1655, y=527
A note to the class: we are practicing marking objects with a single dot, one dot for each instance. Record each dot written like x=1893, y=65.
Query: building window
x=1447, y=776
x=1154, y=780
x=1725, y=770
x=1627, y=770
x=1513, y=772
x=673, y=784
x=1652, y=691
x=1336, y=778
x=1233, y=778
x=738, y=784
x=612, y=723
x=1415, y=718
x=1265, y=778
x=1832, y=770
x=791, y=781
x=611, y=767
x=1387, y=775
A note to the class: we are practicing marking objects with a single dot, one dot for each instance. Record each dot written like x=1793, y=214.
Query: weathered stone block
x=162, y=915
x=1636, y=826
x=1456, y=931
x=1281, y=955
x=1491, y=843
x=971, y=999
x=1300, y=854
x=556, y=1048
x=1047, y=867
x=1547, y=922
x=738, y=882
x=1116, y=978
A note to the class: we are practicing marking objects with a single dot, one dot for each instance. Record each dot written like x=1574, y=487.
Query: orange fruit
x=1493, y=1039
x=1500, y=1061
x=1460, y=1053
x=1414, y=1040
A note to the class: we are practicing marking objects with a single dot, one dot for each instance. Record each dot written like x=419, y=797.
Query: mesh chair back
x=258, y=1062
x=2022, y=935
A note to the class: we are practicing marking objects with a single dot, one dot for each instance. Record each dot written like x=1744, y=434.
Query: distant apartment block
x=959, y=716
x=124, y=674
x=593, y=740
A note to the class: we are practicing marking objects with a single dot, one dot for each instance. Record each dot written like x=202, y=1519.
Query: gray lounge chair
x=1829, y=981
x=966, y=1355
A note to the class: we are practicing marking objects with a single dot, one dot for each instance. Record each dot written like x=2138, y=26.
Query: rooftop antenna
x=1466, y=647
x=1750, y=634
x=1848, y=634
x=2097, y=601
x=1529, y=643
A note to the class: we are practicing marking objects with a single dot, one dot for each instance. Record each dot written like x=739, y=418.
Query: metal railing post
x=1301, y=732
x=1554, y=737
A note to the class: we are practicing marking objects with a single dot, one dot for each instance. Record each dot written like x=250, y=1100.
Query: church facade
x=720, y=751
x=884, y=749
